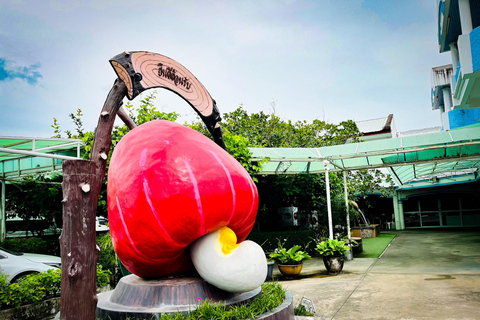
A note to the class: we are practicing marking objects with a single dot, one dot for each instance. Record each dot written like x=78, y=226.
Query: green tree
x=269, y=130
x=37, y=200
x=145, y=112
x=243, y=130
x=305, y=191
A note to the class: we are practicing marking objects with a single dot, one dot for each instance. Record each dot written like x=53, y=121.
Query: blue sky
x=329, y=60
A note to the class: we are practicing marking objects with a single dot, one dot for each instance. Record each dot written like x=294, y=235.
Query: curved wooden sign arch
x=141, y=70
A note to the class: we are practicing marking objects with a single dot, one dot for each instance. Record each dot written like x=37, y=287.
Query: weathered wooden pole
x=82, y=181
x=122, y=114
x=78, y=245
x=103, y=133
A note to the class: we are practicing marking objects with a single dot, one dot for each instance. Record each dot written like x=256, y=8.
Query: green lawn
x=373, y=247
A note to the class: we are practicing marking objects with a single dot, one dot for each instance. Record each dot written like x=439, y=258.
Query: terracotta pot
x=334, y=264
x=290, y=270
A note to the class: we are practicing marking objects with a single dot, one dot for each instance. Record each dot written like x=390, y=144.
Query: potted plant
x=289, y=261
x=333, y=252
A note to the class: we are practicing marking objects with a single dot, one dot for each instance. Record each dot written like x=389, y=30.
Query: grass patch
x=271, y=297
x=373, y=247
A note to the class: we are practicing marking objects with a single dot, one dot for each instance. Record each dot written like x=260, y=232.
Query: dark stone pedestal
x=137, y=298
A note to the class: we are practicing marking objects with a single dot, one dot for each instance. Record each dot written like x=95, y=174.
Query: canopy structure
x=21, y=157
x=409, y=158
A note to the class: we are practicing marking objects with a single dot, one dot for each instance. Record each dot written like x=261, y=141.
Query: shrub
x=106, y=256
x=330, y=247
x=29, y=289
x=32, y=245
x=36, y=287
x=103, y=276
x=300, y=310
x=269, y=240
x=292, y=256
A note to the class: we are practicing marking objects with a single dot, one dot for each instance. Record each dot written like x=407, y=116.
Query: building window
x=442, y=210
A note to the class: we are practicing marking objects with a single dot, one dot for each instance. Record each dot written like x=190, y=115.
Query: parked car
x=16, y=265
x=101, y=224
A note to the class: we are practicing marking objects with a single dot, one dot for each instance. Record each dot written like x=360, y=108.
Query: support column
x=447, y=104
x=441, y=109
x=402, y=216
x=465, y=16
x=396, y=211
x=447, y=98
x=3, y=216
x=345, y=191
x=455, y=56
x=329, y=205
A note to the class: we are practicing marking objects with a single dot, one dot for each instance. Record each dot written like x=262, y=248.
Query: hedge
x=270, y=240
x=33, y=245
x=29, y=289
x=36, y=287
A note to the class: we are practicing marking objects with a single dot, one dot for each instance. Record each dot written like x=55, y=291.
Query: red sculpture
x=168, y=185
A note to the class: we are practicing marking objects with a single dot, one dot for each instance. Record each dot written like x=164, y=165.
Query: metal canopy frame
x=412, y=158
x=23, y=156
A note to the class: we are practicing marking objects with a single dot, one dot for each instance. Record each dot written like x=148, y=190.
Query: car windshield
x=11, y=252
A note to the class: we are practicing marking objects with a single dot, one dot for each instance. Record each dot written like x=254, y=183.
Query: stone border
x=35, y=311
x=282, y=312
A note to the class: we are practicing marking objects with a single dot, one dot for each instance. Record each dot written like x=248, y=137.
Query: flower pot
x=349, y=255
x=334, y=264
x=358, y=247
x=290, y=271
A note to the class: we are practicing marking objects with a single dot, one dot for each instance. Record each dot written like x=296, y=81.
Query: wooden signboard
x=143, y=70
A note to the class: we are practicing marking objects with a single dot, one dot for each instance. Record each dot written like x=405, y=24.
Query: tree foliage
x=269, y=130
x=37, y=200
x=243, y=130
x=305, y=191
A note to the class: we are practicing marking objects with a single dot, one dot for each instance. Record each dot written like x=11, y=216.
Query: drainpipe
x=329, y=206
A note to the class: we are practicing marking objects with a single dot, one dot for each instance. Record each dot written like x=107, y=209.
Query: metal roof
x=23, y=156
x=409, y=158
x=417, y=132
x=373, y=125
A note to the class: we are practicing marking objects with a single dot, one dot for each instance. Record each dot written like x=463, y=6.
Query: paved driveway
x=424, y=274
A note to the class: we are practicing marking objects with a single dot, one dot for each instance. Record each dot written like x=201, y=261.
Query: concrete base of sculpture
x=138, y=298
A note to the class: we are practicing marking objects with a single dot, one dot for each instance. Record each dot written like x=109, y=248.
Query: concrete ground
x=423, y=274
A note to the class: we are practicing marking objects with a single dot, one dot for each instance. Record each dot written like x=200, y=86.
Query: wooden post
x=78, y=241
x=122, y=114
x=103, y=133
x=82, y=181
